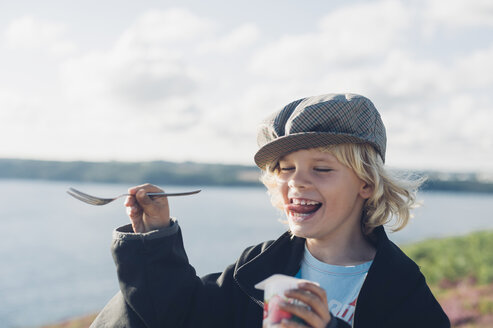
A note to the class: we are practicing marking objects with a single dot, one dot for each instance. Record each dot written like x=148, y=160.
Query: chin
x=298, y=231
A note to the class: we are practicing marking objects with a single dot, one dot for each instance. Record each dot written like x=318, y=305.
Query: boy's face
x=322, y=198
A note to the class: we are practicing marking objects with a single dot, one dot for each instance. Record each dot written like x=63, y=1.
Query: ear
x=366, y=190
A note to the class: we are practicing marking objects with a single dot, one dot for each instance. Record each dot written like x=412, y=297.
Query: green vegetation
x=464, y=182
x=459, y=271
x=447, y=261
x=158, y=172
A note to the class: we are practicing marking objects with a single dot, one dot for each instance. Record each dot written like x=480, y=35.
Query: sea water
x=55, y=251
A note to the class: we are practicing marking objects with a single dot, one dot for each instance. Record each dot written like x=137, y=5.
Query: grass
x=459, y=270
x=446, y=261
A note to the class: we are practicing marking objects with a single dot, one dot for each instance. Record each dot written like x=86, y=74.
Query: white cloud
x=153, y=79
x=31, y=33
x=238, y=39
x=430, y=105
x=459, y=13
x=176, y=85
x=475, y=70
x=354, y=33
x=365, y=29
x=32, y=125
x=446, y=132
x=163, y=27
x=147, y=65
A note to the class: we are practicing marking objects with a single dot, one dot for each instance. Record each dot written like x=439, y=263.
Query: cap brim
x=274, y=150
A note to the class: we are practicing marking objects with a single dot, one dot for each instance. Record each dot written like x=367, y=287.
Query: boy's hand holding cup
x=293, y=302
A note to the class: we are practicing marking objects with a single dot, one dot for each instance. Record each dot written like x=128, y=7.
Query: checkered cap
x=320, y=121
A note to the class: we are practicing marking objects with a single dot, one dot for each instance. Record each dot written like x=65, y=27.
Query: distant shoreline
x=191, y=173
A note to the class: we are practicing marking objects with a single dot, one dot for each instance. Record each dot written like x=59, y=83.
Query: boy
x=322, y=160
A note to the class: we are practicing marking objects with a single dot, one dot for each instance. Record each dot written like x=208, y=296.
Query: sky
x=191, y=80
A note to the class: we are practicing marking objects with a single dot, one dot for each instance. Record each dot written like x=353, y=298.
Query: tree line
x=191, y=173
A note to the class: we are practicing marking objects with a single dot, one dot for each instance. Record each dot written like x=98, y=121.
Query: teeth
x=297, y=201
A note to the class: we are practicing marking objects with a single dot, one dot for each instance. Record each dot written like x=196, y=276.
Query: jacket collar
x=281, y=256
x=391, y=275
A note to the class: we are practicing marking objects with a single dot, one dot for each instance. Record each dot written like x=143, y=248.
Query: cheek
x=282, y=187
x=277, y=194
x=283, y=192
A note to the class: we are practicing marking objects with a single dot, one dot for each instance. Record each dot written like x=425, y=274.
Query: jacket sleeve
x=158, y=287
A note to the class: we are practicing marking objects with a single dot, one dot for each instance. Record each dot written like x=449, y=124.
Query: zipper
x=259, y=303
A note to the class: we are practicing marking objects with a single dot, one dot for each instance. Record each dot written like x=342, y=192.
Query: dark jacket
x=159, y=288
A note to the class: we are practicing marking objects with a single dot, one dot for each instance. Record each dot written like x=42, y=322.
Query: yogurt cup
x=274, y=288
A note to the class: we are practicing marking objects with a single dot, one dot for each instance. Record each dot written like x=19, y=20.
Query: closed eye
x=286, y=169
x=322, y=169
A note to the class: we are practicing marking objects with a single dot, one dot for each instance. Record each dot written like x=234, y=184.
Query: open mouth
x=300, y=208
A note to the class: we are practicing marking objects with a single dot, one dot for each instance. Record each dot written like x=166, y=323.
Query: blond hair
x=393, y=195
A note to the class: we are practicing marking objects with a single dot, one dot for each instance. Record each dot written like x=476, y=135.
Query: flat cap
x=320, y=121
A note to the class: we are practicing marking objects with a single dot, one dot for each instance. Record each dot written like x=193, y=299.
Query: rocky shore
x=80, y=322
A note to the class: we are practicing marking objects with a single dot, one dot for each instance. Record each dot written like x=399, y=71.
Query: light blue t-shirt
x=341, y=283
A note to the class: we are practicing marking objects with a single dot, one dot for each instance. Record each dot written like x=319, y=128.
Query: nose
x=298, y=180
